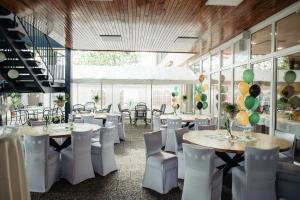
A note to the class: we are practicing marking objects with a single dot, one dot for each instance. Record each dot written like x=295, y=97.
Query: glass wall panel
x=238, y=77
x=261, y=42
x=227, y=56
x=214, y=93
x=107, y=95
x=288, y=94
x=241, y=49
x=263, y=77
x=288, y=31
x=226, y=90
x=205, y=66
x=215, y=62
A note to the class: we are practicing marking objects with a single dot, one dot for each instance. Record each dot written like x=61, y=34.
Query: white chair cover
x=115, y=121
x=179, y=152
x=161, y=167
x=158, y=127
x=96, y=134
x=88, y=118
x=200, y=122
x=257, y=179
x=78, y=121
x=202, y=180
x=207, y=127
x=13, y=183
x=70, y=118
x=42, y=163
x=121, y=129
x=76, y=159
x=172, y=125
x=103, y=156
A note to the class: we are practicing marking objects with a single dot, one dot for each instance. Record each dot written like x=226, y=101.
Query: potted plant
x=96, y=98
x=231, y=111
x=60, y=100
x=14, y=100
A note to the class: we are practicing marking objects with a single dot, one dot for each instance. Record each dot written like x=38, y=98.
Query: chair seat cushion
x=96, y=148
x=162, y=158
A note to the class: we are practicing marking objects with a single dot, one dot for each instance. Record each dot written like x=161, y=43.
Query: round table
x=96, y=115
x=218, y=140
x=57, y=130
x=184, y=117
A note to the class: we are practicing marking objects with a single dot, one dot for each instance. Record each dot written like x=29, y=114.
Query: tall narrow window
x=261, y=42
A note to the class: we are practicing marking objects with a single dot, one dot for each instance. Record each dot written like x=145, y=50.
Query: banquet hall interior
x=150, y=99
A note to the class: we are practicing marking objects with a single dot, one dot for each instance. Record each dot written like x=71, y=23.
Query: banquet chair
x=126, y=112
x=161, y=168
x=78, y=108
x=172, y=125
x=13, y=183
x=200, y=122
x=87, y=118
x=42, y=163
x=115, y=121
x=161, y=111
x=96, y=134
x=287, y=156
x=103, y=156
x=121, y=128
x=90, y=106
x=76, y=159
x=71, y=118
x=78, y=120
x=257, y=179
x=140, y=112
x=179, y=152
x=158, y=127
x=202, y=180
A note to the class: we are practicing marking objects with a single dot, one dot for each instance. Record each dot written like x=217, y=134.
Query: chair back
x=78, y=108
x=207, y=127
x=291, y=138
x=156, y=123
x=141, y=110
x=38, y=123
x=153, y=143
x=260, y=168
x=70, y=118
x=119, y=107
x=81, y=143
x=179, y=138
x=113, y=118
x=20, y=106
x=98, y=122
x=163, y=108
x=36, y=149
x=106, y=136
x=78, y=121
x=109, y=108
x=173, y=124
x=87, y=118
x=90, y=106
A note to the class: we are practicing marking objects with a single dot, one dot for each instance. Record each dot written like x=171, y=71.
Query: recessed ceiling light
x=253, y=43
x=223, y=2
x=13, y=74
x=279, y=48
x=111, y=38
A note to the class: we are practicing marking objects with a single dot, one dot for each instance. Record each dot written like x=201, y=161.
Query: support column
x=68, y=67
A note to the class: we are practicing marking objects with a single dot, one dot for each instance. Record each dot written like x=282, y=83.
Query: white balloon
x=13, y=74
x=2, y=57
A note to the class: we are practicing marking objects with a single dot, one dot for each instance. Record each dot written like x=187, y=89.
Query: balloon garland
x=288, y=92
x=247, y=101
x=201, y=97
x=175, y=94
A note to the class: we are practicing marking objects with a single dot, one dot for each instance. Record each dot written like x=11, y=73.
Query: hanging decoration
x=248, y=100
x=175, y=104
x=200, y=96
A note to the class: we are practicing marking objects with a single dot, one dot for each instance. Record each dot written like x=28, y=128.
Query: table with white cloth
x=96, y=115
x=220, y=142
x=187, y=118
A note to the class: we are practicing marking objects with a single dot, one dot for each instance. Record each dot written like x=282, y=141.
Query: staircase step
x=15, y=35
x=18, y=44
x=23, y=70
x=4, y=11
x=31, y=63
x=24, y=54
x=8, y=23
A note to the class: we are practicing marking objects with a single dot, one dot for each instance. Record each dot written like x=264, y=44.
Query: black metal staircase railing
x=41, y=47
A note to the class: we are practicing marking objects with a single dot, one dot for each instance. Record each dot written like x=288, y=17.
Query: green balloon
x=248, y=76
x=249, y=102
x=256, y=104
x=205, y=105
x=294, y=102
x=176, y=88
x=282, y=103
x=290, y=77
x=254, y=118
x=200, y=89
x=203, y=97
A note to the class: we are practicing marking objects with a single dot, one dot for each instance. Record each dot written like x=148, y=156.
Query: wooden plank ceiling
x=145, y=25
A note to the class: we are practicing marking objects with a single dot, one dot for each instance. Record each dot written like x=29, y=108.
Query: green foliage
x=60, y=98
x=15, y=100
x=105, y=58
x=231, y=109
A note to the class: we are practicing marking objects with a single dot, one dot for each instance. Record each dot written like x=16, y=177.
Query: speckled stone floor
x=124, y=184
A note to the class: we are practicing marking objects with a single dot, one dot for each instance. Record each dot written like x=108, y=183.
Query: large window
x=288, y=31
x=205, y=66
x=215, y=62
x=214, y=93
x=238, y=77
x=241, y=49
x=226, y=90
x=227, y=57
x=288, y=94
x=263, y=78
x=261, y=42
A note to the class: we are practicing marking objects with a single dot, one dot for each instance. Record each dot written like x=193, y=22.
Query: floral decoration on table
x=175, y=104
x=200, y=96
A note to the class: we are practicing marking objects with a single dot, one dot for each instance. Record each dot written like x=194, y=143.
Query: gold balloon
x=280, y=88
x=197, y=98
x=243, y=118
x=201, y=77
x=244, y=88
x=174, y=99
x=240, y=102
x=205, y=87
x=296, y=86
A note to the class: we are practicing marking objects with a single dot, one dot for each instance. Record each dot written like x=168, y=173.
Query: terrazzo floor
x=124, y=184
